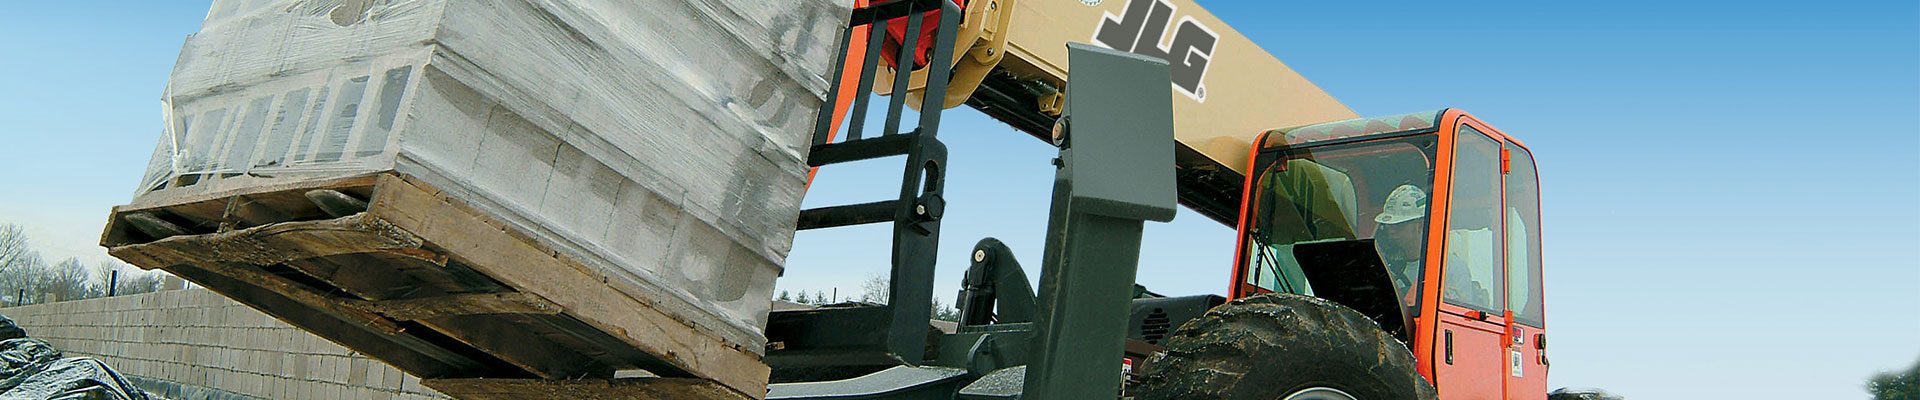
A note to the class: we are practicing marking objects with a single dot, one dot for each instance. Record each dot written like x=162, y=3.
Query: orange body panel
x=1483, y=349
x=1478, y=366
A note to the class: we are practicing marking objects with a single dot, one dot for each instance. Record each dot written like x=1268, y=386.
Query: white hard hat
x=1406, y=203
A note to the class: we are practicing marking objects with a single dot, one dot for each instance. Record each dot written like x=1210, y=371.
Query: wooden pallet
x=423, y=282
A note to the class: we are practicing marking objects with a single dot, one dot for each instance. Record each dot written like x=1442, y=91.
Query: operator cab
x=1403, y=218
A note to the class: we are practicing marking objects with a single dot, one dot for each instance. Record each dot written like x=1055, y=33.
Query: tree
x=944, y=312
x=23, y=273
x=26, y=278
x=133, y=280
x=784, y=296
x=1901, y=385
x=72, y=280
x=137, y=282
x=874, y=290
x=15, y=250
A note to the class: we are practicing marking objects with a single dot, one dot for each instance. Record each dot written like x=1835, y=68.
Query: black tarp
x=10, y=331
x=32, y=369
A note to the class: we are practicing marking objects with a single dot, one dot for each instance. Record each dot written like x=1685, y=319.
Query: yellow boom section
x=1225, y=89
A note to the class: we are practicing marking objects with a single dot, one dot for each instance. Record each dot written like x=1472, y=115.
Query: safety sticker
x=1515, y=364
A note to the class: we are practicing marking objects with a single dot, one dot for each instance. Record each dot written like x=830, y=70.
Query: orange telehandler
x=1395, y=257
x=1378, y=258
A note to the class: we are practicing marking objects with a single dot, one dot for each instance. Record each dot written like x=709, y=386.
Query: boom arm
x=1012, y=59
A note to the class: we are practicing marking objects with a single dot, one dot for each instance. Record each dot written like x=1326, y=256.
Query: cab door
x=1471, y=345
x=1526, y=316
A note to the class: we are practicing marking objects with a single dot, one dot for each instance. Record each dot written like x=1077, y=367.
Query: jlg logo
x=1142, y=29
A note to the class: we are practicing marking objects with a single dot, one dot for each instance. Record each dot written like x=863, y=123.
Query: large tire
x=1282, y=346
x=1581, y=394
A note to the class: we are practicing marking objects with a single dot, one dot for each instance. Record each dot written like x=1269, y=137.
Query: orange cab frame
x=1428, y=339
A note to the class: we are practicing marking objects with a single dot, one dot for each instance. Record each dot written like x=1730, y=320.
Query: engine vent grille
x=1156, y=326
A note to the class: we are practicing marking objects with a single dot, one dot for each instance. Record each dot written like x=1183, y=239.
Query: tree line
x=873, y=291
x=27, y=278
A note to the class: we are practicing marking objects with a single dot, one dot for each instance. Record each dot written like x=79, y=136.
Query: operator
x=1397, y=237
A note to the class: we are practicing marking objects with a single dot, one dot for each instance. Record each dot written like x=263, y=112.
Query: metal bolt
x=979, y=255
x=920, y=209
x=1061, y=129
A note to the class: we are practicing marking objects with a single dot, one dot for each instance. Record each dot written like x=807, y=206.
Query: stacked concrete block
x=188, y=340
x=662, y=141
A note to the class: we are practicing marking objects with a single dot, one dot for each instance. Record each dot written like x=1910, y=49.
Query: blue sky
x=1731, y=190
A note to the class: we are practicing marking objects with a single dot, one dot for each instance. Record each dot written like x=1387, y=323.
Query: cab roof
x=1354, y=128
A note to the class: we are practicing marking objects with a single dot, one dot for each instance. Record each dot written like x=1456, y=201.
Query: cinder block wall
x=198, y=338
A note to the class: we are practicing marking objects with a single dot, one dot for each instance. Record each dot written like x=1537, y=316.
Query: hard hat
x=1406, y=203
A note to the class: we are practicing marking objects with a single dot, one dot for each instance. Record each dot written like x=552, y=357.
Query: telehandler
x=1395, y=257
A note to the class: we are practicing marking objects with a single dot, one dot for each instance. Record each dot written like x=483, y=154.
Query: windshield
x=1372, y=192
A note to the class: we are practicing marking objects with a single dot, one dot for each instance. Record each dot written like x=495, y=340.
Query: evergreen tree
x=1901, y=385
x=944, y=312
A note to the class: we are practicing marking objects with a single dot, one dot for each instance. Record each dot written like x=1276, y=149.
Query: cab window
x=1523, y=239
x=1373, y=193
x=1472, y=270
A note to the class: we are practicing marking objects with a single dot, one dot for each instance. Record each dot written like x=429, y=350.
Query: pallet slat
x=279, y=243
x=426, y=283
x=596, y=389
x=464, y=304
x=497, y=251
x=408, y=353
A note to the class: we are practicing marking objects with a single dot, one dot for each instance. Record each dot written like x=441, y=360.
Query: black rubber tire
x=1268, y=347
x=1581, y=394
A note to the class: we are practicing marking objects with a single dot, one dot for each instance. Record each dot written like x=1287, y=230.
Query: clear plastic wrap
x=662, y=140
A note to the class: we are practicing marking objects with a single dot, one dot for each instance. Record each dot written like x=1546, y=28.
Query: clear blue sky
x=1732, y=190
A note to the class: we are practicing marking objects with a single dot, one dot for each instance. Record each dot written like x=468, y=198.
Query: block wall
x=196, y=338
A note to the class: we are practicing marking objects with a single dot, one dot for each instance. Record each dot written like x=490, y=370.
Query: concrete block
x=357, y=372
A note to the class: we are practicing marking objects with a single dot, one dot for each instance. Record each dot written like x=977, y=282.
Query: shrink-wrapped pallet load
x=653, y=148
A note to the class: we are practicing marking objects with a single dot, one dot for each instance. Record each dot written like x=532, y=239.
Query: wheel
x=1581, y=394
x=1282, y=347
